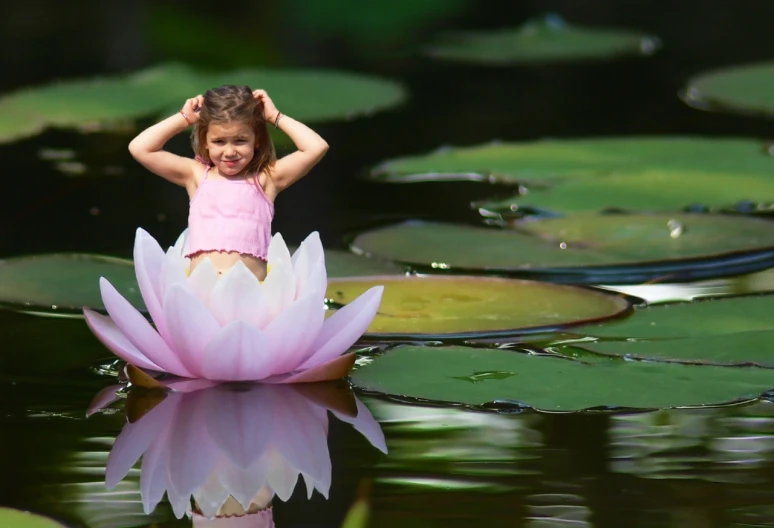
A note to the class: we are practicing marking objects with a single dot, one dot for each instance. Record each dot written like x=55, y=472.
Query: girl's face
x=231, y=146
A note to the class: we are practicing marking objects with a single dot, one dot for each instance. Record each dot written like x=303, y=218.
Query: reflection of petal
x=246, y=441
x=103, y=398
x=239, y=352
x=136, y=438
x=193, y=453
x=365, y=424
x=240, y=423
x=139, y=331
x=292, y=332
x=191, y=326
x=341, y=330
x=110, y=335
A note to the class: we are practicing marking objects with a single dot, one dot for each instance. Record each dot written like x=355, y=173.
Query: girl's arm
x=311, y=147
x=147, y=147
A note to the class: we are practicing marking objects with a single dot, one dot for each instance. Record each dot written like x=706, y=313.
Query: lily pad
x=545, y=39
x=64, y=283
x=591, y=250
x=433, y=307
x=744, y=89
x=10, y=518
x=695, y=319
x=744, y=348
x=476, y=376
x=637, y=173
x=309, y=95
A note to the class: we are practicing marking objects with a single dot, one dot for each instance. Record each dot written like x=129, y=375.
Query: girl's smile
x=231, y=146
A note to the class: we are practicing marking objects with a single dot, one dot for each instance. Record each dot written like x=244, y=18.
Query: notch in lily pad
x=455, y=375
x=546, y=39
x=605, y=249
x=459, y=307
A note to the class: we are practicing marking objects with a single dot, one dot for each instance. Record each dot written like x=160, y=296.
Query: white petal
x=191, y=326
x=292, y=332
x=238, y=296
x=203, y=279
x=278, y=250
x=279, y=288
x=239, y=352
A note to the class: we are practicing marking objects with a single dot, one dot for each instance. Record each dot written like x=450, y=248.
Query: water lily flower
x=233, y=448
x=232, y=327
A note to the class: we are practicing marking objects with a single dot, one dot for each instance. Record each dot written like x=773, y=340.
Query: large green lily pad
x=10, y=518
x=309, y=95
x=638, y=173
x=339, y=263
x=744, y=348
x=745, y=89
x=434, y=307
x=477, y=376
x=695, y=319
x=589, y=249
x=64, y=283
x=545, y=39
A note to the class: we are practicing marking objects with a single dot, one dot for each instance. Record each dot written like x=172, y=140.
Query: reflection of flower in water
x=231, y=327
x=232, y=448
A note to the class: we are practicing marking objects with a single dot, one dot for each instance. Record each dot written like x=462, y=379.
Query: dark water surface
x=446, y=467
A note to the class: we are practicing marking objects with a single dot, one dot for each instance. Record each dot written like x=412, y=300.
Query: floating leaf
x=340, y=263
x=546, y=39
x=10, y=518
x=729, y=349
x=477, y=376
x=745, y=89
x=64, y=283
x=312, y=96
x=598, y=250
x=637, y=173
x=458, y=307
x=699, y=318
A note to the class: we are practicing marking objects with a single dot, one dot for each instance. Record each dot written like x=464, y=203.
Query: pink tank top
x=229, y=215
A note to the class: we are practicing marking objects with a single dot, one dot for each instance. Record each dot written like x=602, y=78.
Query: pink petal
x=341, y=330
x=203, y=279
x=110, y=335
x=301, y=267
x=239, y=352
x=139, y=331
x=148, y=258
x=154, y=472
x=240, y=422
x=191, y=326
x=279, y=288
x=332, y=369
x=181, y=244
x=292, y=332
x=238, y=296
x=314, y=247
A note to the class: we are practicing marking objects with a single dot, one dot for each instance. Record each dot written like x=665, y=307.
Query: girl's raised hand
x=270, y=111
x=191, y=108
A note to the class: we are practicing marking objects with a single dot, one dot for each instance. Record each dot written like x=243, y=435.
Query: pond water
x=445, y=466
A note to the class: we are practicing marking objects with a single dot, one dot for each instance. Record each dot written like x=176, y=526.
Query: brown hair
x=235, y=103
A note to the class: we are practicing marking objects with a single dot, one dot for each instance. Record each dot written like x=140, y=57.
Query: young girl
x=235, y=177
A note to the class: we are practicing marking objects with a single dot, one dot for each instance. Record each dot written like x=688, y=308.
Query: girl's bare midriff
x=223, y=261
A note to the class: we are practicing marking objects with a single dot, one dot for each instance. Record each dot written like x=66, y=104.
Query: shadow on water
x=445, y=467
